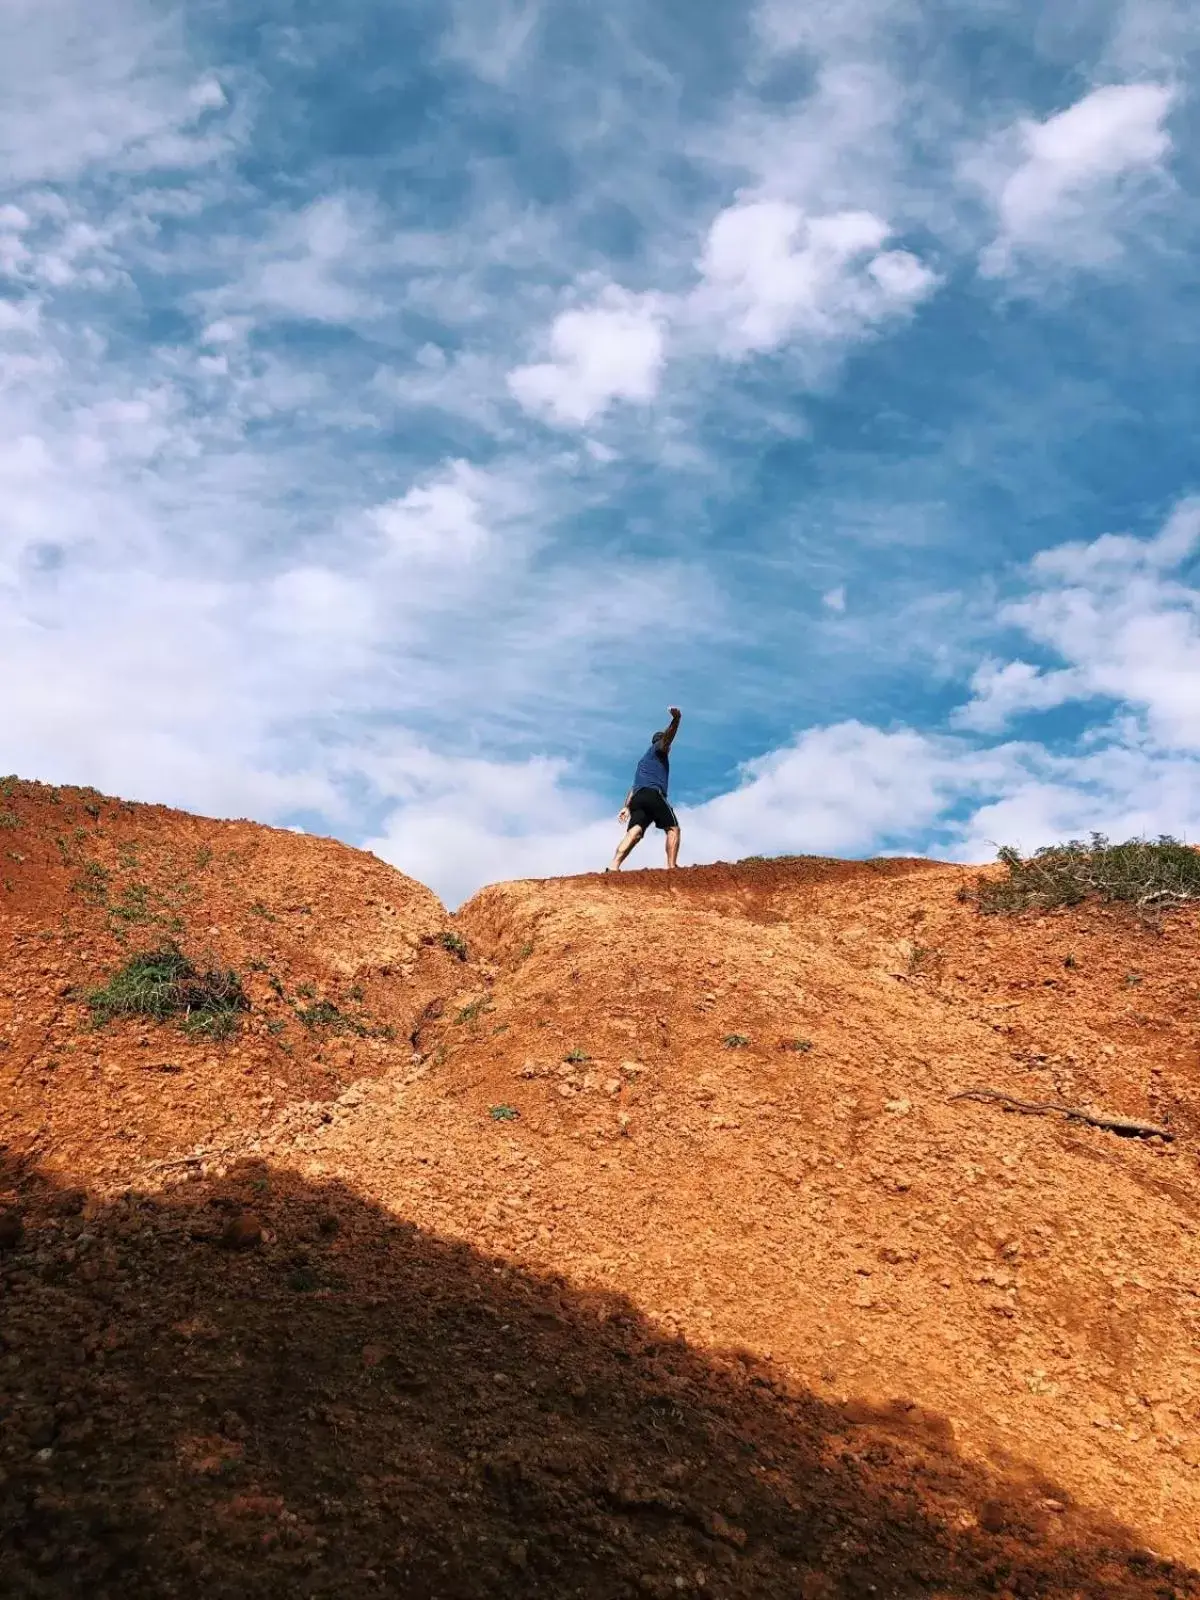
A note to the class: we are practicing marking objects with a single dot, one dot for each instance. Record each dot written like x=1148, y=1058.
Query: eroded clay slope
x=308, y=924
x=618, y=1237
x=734, y=1093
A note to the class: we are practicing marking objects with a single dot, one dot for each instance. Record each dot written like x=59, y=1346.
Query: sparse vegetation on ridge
x=1152, y=875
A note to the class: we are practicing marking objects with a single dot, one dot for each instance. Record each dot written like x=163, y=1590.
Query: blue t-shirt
x=653, y=771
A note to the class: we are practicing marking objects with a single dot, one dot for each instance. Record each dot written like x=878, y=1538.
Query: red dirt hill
x=619, y=1236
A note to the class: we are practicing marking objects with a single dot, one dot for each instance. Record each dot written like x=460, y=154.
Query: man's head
x=656, y=739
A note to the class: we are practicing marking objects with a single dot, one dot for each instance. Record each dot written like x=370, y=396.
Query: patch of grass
x=260, y=910
x=356, y=993
x=8, y=785
x=54, y=796
x=324, y=1014
x=92, y=883
x=453, y=942
x=1132, y=979
x=576, y=1056
x=203, y=856
x=1070, y=963
x=257, y=966
x=303, y=1280
x=306, y=991
x=134, y=904
x=9, y=819
x=471, y=1012
x=92, y=809
x=802, y=1045
x=164, y=983
x=127, y=855
x=276, y=983
x=504, y=1113
x=1152, y=875
x=221, y=1023
x=735, y=1041
x=276, y=1026
x=526, y=950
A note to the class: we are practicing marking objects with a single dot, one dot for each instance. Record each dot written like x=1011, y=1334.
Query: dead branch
x=1124, y=1125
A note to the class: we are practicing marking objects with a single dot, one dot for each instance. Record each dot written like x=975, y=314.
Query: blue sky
x=402, y=404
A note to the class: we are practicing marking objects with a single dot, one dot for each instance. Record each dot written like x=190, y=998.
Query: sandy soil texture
x=619, y=1236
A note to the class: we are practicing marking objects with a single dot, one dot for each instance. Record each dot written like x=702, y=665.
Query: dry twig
x=1123, y=1125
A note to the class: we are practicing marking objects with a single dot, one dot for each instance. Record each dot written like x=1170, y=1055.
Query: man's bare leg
x=672, y=847
x=626, y=845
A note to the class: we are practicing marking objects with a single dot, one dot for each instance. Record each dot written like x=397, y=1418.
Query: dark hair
x=656, y=738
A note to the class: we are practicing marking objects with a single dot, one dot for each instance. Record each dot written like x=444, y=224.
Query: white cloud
x=208, y=95
x=835, y=599
x=464, y=822
x=845, y=789
x=1065, y=188
x=75, y=96
x=315, y=603
x=1153, y=37
x=442, y=521
x=1004, y=690
x=769, y=274
x=491, y=39
x=613, y=350
x=314, y=265
x=1124, y=622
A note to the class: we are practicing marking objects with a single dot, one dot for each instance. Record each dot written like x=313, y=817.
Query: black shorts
x=648, y=806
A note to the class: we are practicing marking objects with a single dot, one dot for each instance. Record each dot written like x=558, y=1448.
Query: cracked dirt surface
x=636, y=1248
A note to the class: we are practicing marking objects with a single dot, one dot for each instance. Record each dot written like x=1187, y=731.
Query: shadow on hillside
x=353, y=1407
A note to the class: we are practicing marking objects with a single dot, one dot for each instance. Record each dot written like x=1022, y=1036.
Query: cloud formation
x=1062, y=188
x=613, y=350
x=392, y=410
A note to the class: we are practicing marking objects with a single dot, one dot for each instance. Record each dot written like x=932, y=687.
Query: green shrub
x=735, y=1041
x=92, y=883
x=1152, y=875
x=164, y=983
x=471, y=1012
x=456, y=945
x=324, y=1014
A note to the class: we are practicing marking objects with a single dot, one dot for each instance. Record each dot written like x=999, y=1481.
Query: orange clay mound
x=644, y=1251
x=87, y=882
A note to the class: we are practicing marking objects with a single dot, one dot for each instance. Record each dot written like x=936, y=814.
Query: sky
x=400, y=406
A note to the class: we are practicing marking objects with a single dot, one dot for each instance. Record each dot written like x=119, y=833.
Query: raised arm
x=668, y=738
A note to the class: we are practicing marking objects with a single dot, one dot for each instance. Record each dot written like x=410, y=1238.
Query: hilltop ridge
x=631, y=1215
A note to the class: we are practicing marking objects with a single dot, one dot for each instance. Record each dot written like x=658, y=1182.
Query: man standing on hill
x=646, y=801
